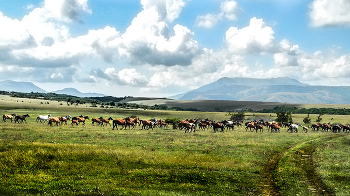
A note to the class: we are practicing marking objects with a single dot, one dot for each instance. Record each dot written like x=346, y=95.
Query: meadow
x=37, y=159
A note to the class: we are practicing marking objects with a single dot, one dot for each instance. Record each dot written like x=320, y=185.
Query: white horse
x=293, y=127
x=42, y=118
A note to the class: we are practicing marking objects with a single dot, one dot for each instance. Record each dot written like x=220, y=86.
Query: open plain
x=39, y=159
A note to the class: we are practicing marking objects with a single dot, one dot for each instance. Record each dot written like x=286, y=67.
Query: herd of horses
x=188, y=125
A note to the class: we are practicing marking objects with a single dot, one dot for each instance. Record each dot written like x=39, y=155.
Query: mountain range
x=282, y=89
x=28, y=87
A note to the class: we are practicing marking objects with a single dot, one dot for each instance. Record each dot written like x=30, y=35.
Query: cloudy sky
x=166, y=47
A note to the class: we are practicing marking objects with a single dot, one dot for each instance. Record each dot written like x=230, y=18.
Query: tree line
x=295, y=110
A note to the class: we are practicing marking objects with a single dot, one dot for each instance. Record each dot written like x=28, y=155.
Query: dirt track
x=302, y=152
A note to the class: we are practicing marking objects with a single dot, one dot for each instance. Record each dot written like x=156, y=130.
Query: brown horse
x=21, y=118
x=147, y=123
x=117, y=122
x=96, y=120
x=8, y=116
x=106, y=121
x=54, y=120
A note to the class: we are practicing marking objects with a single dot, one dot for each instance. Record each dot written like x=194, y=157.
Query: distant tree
x=284, y=117
x=307, y=120
x=319, y=119
x=240, y=116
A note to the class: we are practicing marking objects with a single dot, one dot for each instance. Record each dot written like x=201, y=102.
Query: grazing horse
x=80, y=119
x=41, y=118
x=336, y=128
x=275, y=128
x=346, y=128
x=203, y=125
x=182, y=124
x=21, y=118
x=305, y=129
x=293, y=127
x=163, y=125
x=217, y=126
x=135, y=120
x=96, y=120
x=130, y=124
x=260, y=127
x=147, y=123
x=326, y=127
x=190, y=126
x=315, y=127
x=250, y=125
x=76, y=122
x=117, y=122
x=8, y=116
x=106, y=121
x=64, y=119
x=229, y=124
x=54, y=120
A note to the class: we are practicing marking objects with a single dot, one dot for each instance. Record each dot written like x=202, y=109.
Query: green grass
x=334, y=164
x=36, y=159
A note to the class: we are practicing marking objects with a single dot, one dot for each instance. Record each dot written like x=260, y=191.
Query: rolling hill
x=25, y=87
x=75, y=92
x=284, y=90
x=28, y=87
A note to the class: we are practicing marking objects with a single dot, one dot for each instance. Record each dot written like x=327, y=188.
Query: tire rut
x=313, y=181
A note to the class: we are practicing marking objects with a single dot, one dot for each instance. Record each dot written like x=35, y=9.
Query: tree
x=240, y=116
x=284, y=117
x=319, y=119
x=307, y=120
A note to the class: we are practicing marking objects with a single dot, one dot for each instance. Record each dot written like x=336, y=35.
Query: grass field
x=36, y=159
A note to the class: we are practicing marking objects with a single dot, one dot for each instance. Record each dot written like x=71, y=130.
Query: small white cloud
x=207, y=21
x=229, y=10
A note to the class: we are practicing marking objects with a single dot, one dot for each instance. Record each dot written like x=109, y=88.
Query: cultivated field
x=36, y=159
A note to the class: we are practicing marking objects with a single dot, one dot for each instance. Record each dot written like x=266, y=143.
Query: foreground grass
x=333, y=163
x=36, y=159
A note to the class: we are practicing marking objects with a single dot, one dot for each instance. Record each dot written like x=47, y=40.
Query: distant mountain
x=75, y=92
x=24, y=87
x=281, y=89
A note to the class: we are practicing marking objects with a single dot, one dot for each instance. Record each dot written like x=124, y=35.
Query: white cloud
x=124, y=77
x=330, y=12
x=229, y=10
x=207, y=21
x=66, y=10
x=157, y=44
x=255, y=38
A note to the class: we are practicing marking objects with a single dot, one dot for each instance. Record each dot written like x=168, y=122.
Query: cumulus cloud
x=39, y=47
x=66, y=10
x=329, y=13
x=255, y=38
x=125, y=77
x=287, y=55
x=229, y=10
x=158, y=44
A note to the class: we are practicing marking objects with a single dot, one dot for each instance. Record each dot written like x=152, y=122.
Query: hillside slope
x=284, y=90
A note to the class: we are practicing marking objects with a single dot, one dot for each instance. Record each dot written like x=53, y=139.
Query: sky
x=160, y=48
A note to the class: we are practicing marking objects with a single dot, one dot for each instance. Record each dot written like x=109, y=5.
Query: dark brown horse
x=21, y=118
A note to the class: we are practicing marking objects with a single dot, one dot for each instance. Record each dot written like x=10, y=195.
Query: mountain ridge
x=283, y=89
x=28, y=87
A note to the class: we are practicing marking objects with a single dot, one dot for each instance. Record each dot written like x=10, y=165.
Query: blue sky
x=162, y=48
